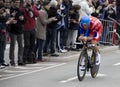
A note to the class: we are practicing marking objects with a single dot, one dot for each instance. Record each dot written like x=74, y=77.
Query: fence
x=109, y=32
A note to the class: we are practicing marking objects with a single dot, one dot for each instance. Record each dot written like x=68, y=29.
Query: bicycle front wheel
x=82, y=66
x=94, y=68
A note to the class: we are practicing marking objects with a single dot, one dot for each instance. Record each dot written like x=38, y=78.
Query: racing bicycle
x=86, y=62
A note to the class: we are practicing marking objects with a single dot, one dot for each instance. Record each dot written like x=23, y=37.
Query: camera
x=28, y=7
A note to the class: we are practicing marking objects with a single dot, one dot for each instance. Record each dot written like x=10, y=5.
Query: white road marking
x=42, y=69
x=28, y=67
x=13, y=71
x=73, y=78
x=68, y=80
x=40, y=64
x=3, y=75
x=99, y=75
x=117, y=64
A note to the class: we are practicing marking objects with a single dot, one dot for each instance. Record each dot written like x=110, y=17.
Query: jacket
x=41, y=24
x=18, y=27
x=30, y=22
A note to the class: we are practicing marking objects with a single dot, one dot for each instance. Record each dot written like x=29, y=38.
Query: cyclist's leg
x=96, y=49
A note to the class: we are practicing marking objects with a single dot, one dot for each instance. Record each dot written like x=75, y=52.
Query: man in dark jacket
x=16, y=33
x=51, y=32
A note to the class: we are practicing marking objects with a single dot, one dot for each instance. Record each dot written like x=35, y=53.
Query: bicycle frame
x=87, y=47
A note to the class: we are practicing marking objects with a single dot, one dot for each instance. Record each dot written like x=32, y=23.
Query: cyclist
x=91, y=30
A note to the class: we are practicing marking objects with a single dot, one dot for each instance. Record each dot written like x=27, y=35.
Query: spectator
x=110, y=11
x=60, y=27
x=42, y=22
x=67, y=4
x=16, y=33
x=103, y=7
x=30, y=13
x=51, y=30
x=3, y=19
x=97, y=6
x=64, y=6
x=86, y=8
x=74, y=27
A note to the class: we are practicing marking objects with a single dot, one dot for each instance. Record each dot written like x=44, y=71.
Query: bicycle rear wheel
x=82, y=66
x=94, y=68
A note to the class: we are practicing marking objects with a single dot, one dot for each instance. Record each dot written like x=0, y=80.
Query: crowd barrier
x=109, y=32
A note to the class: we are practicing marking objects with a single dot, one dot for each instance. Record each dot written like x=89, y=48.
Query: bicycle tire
x=81, y=73
x=95, y=68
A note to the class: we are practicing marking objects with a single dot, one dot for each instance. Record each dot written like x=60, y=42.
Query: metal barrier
x=109, y=32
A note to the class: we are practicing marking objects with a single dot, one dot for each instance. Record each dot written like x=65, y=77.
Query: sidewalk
x=72, y=55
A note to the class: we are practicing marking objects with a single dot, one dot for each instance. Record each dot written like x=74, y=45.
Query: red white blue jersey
x=94, y=30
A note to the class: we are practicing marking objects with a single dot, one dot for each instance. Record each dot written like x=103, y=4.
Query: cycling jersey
x=94, y=30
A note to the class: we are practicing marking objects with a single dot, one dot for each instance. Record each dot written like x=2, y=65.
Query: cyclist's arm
x=89, y=38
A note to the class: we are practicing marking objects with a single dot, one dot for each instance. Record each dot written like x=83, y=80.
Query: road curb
x=67, y=58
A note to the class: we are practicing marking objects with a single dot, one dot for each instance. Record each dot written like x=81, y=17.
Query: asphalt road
x=62, y=74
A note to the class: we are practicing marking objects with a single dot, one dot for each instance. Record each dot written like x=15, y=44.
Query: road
x=62, y=74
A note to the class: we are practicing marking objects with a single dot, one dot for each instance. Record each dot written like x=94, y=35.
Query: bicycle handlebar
x=88, y=44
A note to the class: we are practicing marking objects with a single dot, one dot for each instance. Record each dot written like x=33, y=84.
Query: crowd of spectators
x=43, y=27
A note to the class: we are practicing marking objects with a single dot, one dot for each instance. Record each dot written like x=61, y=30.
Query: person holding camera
x=42, y=22
x=30, y=14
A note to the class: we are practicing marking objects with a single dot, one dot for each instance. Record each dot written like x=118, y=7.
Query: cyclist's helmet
x=85, y=20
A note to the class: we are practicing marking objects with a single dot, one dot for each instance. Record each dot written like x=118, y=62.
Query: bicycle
x=87, y=60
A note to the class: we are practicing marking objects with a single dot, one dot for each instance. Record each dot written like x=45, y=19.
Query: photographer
x=42, y=22
x=30, y=13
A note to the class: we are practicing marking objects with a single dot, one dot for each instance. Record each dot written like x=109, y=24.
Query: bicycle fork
x=89, y=63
